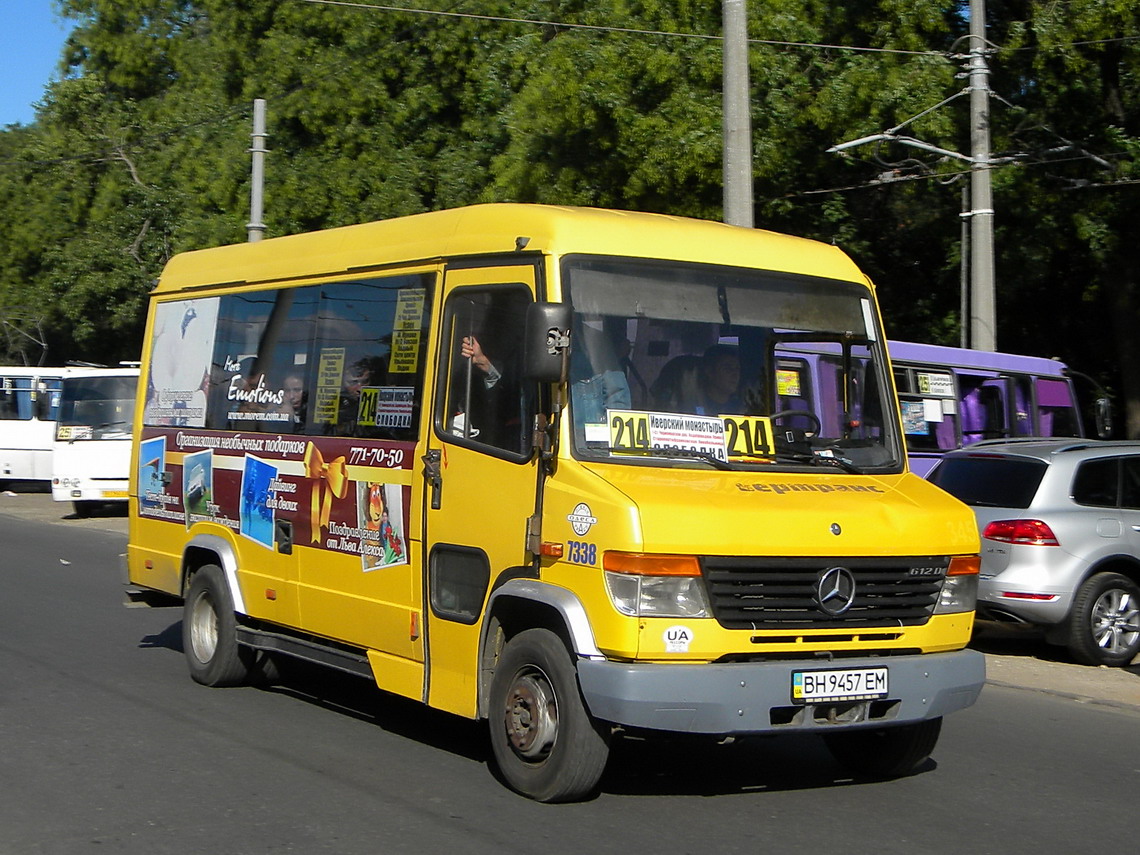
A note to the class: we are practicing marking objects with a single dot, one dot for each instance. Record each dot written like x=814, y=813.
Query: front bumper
x=755, y=697
x=91, y=491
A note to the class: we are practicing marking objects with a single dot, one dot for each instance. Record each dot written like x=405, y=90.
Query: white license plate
x=846, y=684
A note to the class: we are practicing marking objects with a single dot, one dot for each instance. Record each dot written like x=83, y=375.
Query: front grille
x=780, y=593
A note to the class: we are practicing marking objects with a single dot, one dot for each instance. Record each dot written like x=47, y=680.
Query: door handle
x=433, y=475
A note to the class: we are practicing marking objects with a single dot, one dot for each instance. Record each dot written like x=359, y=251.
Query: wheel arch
x=205, y=549
x=525, y=603
x=1126, y=565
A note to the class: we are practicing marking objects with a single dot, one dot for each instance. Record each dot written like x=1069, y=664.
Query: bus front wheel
x=545, y=743
x=209, y=632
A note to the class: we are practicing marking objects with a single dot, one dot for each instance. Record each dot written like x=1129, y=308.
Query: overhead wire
x=239, y=111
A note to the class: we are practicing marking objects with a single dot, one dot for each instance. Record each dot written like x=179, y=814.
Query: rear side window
x=338, y=359
x=997, y=482
x=1097, y=483
x=1130, y=483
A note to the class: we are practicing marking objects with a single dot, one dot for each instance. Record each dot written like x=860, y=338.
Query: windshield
x=730, y=367
x=96, y=408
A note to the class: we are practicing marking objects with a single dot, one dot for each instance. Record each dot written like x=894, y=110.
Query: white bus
x=29, y=401
x=92, y=451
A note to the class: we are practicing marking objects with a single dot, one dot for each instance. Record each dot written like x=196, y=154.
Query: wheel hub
x=1116, y=621
x=531, y=716
x=204, y=629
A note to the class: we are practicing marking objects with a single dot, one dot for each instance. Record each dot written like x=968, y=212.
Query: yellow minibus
x=525, y=464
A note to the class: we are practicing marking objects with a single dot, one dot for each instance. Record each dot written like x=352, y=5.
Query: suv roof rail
x=1060, y=444
x=1009, y=440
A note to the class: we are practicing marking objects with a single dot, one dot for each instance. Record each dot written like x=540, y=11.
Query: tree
x=140, y=150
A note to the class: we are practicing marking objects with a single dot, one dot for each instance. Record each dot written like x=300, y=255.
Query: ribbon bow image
x=331, y=479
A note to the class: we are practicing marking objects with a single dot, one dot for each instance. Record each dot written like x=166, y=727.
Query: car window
x=1130, y=494
x=1096, y=483
x=990, y=481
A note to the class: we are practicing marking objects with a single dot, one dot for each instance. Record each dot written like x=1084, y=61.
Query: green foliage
x=140, y=151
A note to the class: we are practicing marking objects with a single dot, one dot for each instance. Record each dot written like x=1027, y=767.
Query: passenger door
x=480, y=476
x=1130, y=501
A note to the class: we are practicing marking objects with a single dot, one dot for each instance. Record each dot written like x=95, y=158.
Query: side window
x=929, y=409
x=181, y=352
x=16, y=399
x=1022, y=389
x=1056, y=409
x=1130, y=483
x=485, y=400
x=339, y=359
x=369, y=358
x=9, y=400
x=1096, y=483
x=47, y=399
x=261, y=348
x=983, y=408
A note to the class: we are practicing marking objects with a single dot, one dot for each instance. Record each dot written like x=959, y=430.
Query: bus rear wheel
x=545, y=743
x=209, y=632
x=886, y=752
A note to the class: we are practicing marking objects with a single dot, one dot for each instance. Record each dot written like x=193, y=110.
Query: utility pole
x=738, y=205
x=255, y=229
x=978, y=306
x=983, y=304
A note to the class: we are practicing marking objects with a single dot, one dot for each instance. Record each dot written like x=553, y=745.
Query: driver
x=720, y=382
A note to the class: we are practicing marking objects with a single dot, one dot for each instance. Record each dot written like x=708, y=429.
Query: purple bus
x=949, y=396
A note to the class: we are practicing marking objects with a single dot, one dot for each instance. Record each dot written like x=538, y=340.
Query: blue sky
x=31, y=38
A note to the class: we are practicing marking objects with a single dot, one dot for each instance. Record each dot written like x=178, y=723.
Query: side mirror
x=1102, y=412
x=547, y=341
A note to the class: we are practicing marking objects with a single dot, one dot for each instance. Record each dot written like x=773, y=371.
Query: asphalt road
x=106, y=745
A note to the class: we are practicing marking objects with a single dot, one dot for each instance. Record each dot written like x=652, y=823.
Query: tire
x=83, y=509
x=1104, y=625
x=545, y=743
x=209, y=632
x=887, y=752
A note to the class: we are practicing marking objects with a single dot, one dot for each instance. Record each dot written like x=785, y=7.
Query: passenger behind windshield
x=597, y=378
x=725, y=342
x=720, y=389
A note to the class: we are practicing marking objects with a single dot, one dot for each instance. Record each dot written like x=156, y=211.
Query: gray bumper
x=755, y=697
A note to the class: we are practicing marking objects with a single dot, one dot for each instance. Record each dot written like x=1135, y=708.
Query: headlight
x=655, y=585
x=960, y=588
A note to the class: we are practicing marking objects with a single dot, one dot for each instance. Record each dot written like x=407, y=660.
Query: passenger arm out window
x=485, y=400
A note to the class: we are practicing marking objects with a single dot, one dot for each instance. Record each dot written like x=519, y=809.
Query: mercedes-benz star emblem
x=835, y=590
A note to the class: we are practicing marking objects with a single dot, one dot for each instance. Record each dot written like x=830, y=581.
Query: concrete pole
x=738, y=206
x=255, y=229
x=964, y=271
x=983, y=304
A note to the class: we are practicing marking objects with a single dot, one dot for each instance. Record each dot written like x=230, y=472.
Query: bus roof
x=503, y=229
x=904, y=352
x=51, y=372
x=120, y=371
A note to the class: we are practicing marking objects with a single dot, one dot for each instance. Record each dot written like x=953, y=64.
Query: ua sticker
x=677, y=639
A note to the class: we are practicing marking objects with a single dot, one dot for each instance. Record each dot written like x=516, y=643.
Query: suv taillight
x=1028, y=532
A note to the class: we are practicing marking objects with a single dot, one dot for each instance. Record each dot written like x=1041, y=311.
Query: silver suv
x=1060, y=527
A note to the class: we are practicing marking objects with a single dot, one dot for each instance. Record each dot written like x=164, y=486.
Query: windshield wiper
x=708, y=457
x=780, y=456
x=788, y=455
x=838, y=462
